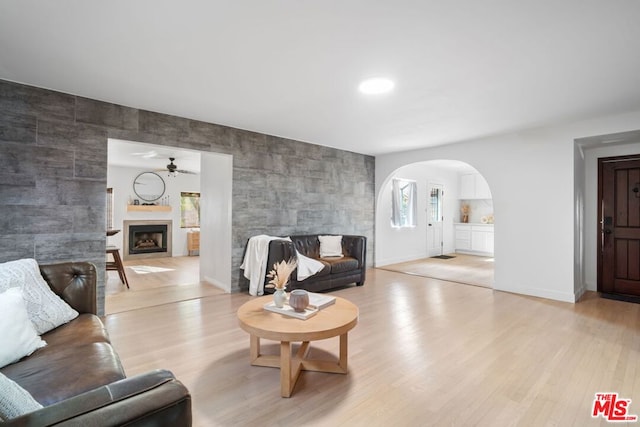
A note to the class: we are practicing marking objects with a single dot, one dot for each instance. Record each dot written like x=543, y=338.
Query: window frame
x=183, y=219
x=404, y=201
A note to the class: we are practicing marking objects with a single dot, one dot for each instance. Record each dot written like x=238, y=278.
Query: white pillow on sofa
x=18, y=337
x=14, y=400
x=330, y=246
x=46, y=309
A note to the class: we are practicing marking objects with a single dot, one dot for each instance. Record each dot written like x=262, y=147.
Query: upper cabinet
x=473, y=186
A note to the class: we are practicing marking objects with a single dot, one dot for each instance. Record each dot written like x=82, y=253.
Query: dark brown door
x=619, y=223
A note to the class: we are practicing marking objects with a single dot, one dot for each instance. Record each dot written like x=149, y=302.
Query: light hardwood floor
x=173, y=279
x=425, y=353
x=462, y=268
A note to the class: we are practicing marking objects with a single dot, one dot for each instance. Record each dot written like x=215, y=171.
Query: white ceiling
x=463, y=69
x=151, y=157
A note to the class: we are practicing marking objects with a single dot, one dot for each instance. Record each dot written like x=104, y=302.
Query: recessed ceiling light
x=376, y=86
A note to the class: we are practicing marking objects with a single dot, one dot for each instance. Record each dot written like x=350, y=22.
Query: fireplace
x=144, y=239
x=147, y=239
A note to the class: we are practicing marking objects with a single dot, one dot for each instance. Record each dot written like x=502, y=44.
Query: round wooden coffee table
x=335, y=320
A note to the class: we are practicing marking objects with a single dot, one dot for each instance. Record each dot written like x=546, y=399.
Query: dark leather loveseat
x=78, y=377
x=337, y=272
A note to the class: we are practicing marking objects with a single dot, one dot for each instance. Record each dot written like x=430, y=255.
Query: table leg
x=254, y=348
x=343, y=352
x=285, y=369
x=291, y=367
x=329, y=366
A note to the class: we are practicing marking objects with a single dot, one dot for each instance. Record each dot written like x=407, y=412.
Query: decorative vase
x=279, y=297
x=299, y=300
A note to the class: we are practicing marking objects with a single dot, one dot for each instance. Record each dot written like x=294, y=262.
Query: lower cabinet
x=463, y=237
x=474, y=239
x=482, y=241
x=193, y=242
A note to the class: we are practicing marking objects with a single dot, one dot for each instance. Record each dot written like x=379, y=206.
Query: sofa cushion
x=18, y=337
x=86, y=328
x=46, y=309
x=326, y=270
x=14, y=400
x=78, y=358
x=67, y=372
x=341, y=265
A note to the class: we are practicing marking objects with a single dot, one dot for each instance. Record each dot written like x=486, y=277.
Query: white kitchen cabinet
x=476, y=239
x=473, y=186
x=463, y=237
x=482, y=240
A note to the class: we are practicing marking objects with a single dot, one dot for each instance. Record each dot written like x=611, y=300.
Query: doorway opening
x=445, y=243
x=588, y=228
x=161, y=263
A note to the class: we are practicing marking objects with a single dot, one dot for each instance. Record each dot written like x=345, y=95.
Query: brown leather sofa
x=78, y=377
x=337, y=272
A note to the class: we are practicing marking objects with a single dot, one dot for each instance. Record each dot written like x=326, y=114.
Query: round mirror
x=148, y=186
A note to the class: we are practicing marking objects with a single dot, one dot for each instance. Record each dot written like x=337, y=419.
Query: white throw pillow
x=18, y=337
x=14, y=400
x=330, y=246
x=46, y=309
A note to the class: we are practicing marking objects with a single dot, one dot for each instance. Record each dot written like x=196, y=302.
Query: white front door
x=434, y=219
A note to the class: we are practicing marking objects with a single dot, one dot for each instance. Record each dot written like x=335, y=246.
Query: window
x=435, y=202
x=403, y=203
x=109, y=208
x=189, y=210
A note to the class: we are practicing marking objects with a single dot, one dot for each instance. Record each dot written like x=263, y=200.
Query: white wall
x=531, y=176
x=215, y=219
x=405, y=244
x=592, y=233
x=121, y=180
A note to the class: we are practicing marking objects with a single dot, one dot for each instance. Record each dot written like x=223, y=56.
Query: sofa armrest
x=356, y=247
x=154, y=398
x=74, y=282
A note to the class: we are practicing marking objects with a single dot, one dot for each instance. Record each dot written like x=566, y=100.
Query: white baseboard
x=217, y=284
x=407, y=258
x=477, y=253
x=541, y=293
x=579, y=292
x=396, y=260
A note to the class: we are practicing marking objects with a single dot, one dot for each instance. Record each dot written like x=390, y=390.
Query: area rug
x=146, y=269
x=466, y=269
x=443, y=256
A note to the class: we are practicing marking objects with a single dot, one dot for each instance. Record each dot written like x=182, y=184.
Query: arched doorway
x=439, y=244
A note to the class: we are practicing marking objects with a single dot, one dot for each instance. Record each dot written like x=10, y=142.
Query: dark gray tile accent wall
x=53, y=173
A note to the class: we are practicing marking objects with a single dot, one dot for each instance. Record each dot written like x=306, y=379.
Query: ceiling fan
x=173, y=170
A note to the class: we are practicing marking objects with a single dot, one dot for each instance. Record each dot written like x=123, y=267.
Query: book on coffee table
x=287, y=310
x=320, y=301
